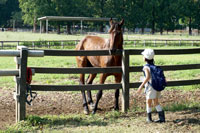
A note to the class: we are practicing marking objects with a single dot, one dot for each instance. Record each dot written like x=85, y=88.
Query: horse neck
x=118, y=42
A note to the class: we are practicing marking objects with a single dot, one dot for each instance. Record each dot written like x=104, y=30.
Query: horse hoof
x=93, y=112
x=116, y=108
x=86, y=112
x=91, y=106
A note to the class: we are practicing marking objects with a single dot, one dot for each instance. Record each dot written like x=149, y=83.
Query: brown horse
x=97, y=43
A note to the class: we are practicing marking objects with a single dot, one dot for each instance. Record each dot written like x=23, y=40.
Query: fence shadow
x=65, y=122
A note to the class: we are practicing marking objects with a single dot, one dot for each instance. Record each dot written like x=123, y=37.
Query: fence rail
x=64, y=43
x=125, y=69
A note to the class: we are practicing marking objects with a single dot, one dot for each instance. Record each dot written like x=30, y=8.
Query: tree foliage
x=159, y=15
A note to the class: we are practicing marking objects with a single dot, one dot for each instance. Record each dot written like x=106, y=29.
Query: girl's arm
x=147, y=77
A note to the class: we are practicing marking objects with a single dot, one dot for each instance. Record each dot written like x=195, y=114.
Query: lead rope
x=33, y=95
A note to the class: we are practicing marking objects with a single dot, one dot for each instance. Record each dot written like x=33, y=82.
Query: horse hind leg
x=85, y=106
x=82, y=62
x=100, y=93
x=89, y=81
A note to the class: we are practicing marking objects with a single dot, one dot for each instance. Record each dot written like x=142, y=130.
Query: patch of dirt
x=57, y=103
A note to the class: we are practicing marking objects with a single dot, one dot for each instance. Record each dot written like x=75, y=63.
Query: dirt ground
x=57, y=103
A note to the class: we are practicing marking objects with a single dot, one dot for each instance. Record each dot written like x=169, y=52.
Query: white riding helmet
x=148, y=54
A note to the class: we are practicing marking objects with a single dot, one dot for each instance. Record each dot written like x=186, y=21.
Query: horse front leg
x=85, y=106
x=100, y=93
x=118, y=79
x=89, y=81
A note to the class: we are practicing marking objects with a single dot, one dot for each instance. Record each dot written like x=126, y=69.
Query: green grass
x=111, y=121
x=77, y=122
x=27, y=36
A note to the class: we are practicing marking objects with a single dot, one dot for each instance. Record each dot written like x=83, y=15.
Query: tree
x=151, y=6
x=172, y=15
x=98, y=8
x=187, y=13
x=32, y=9
x=197, y=15
x=7, y=8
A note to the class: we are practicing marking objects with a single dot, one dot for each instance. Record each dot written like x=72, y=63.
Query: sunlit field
x=67, y=62
x=27, y=36
x=181, y=115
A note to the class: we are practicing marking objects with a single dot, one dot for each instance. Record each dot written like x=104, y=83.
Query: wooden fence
x=65, y=43
x=125, y=70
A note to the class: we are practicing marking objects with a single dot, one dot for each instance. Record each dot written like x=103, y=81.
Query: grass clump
x=184, y=105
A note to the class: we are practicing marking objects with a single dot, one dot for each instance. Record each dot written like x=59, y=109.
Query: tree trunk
x=190, y=26
x=161, y=31
x=101, y=28
x=153, y=20
x=58, y=29
x=34, y=24
x=142, y=30
x=134, y=30
x=69, y=29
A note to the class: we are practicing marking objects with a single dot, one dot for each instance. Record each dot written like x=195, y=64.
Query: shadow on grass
x=192, y=108
x=187, y=121
x=35, y=123
x=75, y=121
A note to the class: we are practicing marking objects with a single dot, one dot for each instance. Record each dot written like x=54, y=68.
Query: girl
x=151, y=94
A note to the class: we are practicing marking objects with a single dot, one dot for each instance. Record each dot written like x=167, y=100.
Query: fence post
x=62, y=44
x=33, y=45
x=125, y=81
x=21, y=86
x=2, y=45
x=48, y=44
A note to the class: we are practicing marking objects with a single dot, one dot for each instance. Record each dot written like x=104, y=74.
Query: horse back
x=92, y=43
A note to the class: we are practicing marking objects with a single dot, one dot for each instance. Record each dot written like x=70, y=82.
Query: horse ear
x=111, y=21
x=121, y=22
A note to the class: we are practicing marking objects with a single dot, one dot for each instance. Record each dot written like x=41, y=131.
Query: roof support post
x=40, y=26
x=81, y=26
x=47, y=26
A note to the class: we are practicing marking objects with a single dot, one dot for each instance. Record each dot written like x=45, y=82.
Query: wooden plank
x=31, y=53
x=75, y=87
x=168, y=67
x=118, y=52
x=167, y=51
x=9, y=52
x=77, y=70
x=125, y=81
x=172, y=83
x=183, y=82
x=35, y=53
x=9, y=72
x=81, y=53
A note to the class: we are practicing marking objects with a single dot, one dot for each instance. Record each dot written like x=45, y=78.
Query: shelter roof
x=65, y=18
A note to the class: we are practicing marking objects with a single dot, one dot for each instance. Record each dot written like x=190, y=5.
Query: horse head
x=116, y=34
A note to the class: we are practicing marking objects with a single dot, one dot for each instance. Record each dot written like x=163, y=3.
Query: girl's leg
x=149, y=110
x=157, y=105
x=160, y=111
x=149, y=105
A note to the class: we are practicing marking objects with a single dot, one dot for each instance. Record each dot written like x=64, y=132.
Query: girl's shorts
x=152, y=94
